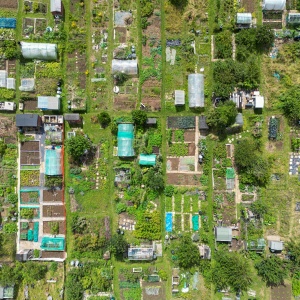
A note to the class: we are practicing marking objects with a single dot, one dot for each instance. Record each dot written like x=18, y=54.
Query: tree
x=10, y=228
x=290, y=103
x=118, y=244
x=104, y=119
x=231, y=270
x=33, y=271
x=154, y=180
x=187, y=253
x=77, y=146
x=222, y=116
x=264, y=37
x=293, y=248
x=179, y=3
x=8, y=275
x=139, y=117
x=273, y=270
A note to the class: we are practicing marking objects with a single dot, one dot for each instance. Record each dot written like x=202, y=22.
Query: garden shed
x=8, y=106
x=239, y=119
x=125, y=140
x=147, y=159
x=196, y=90
x=72, y=118
x=276, y=246
x=237, y=99
x=277, y=5
x=151, y=121
x=259, y=100
x=41, y=51
x=48, y=103
x=179, y=97
x=28, y=120
x=244, y=19
x=27, y=85
x=202, y=123
x=8, y=23
x=223, y=234
x=293, y=18
x=129, y=67
x=56, y=7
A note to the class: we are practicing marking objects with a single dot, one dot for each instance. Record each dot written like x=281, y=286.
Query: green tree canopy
x=222, y=116
x=290, y=103
x=118, y=244
x=273, y=270
x=264, y=37
x=187, y=253
x=293, y=248
x=231, y=270
x=77, y=146
x=139, y=117
x=104, y=119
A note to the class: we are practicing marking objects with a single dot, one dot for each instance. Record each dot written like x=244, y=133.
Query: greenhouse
x=41, y=51
x=8, y=23
x=179, y=97
x=277, y=5
x=11, y=83
x=239, y=119
x=196, y=90
x=125, y=140
x=48, y=103
x=129, y=67
x=3, y=78
x=293, y=18
x=53, y=162
x=27, y=85
x=147, y=160
x=244, y=19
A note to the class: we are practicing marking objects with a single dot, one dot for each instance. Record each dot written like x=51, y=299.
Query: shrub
x=169, y=190
x=104, y=119
x=75, y=171
x=121, y=207
x=10, y=228
x=12, y=198
x=27, y=213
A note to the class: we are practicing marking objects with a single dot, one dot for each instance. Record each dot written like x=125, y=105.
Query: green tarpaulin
x=147, y=160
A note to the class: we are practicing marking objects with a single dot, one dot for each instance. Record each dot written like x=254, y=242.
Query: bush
x=75, y=171
x=223, y=45
x=169, y=190
x=27, y=213
x=10, y=228
x=139, y=117
x=12, y=198
x=121, y=207
x=104, y=119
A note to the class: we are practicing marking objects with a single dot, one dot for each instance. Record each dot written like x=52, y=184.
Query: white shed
x=277, y=5
x=3, y=78
x=179, y=97
x=41, y=51
x=56, y=6
x=259, y=101
x=196, y=90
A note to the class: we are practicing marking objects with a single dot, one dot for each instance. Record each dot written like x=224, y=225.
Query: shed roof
x=179, y=97
x=125, y=140
x=243, y=18
x=48, y=103
x=223, y=234
x=259, y=101
x=9, y=106
x=276, y=245
x=196, y=90
x=147, y=159
x=72, y=117
x=129, y=67
x=27, y=120
x=202, y=123
x=41, y=51
x=55, y=6
x=151, y=121
x=273, y=5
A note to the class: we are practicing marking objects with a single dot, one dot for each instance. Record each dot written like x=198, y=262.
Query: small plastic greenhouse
x=55, y=6
x=3, y=78
x=273, y=5
x=147, y=160
x=11, y=83
x=129, y=67
x=27, y=85
x=48, y=103
x=125, y=140
x=179, y=97
x=41, y=51
x=8, y=23
x=244, y=18
x=196, y=90
x=293, y=18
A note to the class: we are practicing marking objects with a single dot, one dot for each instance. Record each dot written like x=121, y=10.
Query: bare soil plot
x=183, y=179
x=30, y=146
x=153, y=290
x=53, y=211
x=47, y=227
x=9, y=4
x=11, y=66
x=192, y=149
x=228, y=213
x=30, y=105
x=29, y=197
x=124, y=102
x=172, y=164
x=249, y=5
x=189, y=136
x=7, y=127
x=52, y=196
x=40, y=26
x=151, y=94
x=30, y=158
x=281, y=292
x=120, y=34
x=28, y=26
x=53, y=254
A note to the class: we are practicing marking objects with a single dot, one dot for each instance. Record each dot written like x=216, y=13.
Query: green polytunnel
x=147, y=159
x=125, y=140
x=230, y=173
